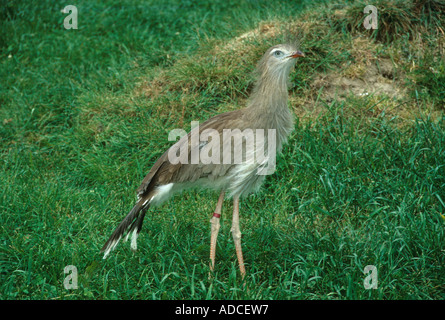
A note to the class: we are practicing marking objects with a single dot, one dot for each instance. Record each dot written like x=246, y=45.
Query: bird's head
x=284, y=52
x=279, y=59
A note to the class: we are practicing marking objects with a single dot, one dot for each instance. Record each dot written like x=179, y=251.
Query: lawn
x=84, y=114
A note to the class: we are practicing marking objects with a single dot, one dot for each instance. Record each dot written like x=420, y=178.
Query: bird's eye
x=278, y=53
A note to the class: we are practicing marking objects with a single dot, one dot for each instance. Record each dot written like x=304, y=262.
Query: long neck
x=270, y=92
x=268, y=105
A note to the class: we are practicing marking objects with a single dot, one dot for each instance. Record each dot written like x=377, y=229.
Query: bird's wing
x=164, y=172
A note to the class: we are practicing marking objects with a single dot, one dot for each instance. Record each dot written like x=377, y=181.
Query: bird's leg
x=236, y=233
x=215, y=228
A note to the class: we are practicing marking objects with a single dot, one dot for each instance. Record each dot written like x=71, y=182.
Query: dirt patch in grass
x=366, y=72
x=377, y=78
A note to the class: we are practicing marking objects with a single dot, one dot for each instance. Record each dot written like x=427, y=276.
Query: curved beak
x=297, y=54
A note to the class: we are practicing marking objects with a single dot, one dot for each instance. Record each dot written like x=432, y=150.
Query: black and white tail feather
x=132, y=224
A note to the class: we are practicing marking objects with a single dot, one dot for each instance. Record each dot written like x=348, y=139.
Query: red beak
x=297, y=54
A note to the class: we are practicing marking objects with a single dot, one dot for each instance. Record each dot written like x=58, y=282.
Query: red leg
x=215, y=229
x=236, y=233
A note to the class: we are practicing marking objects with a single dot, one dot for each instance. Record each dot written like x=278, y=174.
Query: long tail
x=131, y=224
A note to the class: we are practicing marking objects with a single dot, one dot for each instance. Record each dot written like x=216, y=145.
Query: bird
x=230, y=153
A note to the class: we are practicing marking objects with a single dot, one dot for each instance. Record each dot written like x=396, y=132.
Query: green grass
x=85, y=113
